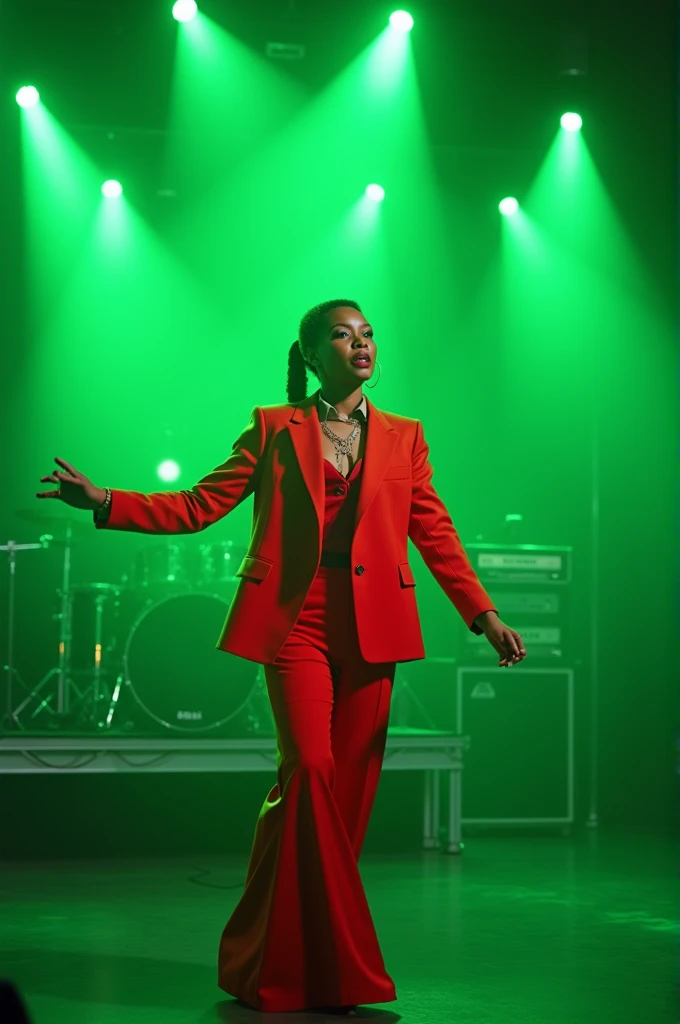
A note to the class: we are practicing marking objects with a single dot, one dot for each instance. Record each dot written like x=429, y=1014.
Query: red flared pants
x=302, y=935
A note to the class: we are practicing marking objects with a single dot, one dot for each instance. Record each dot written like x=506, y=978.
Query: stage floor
x=546, y=930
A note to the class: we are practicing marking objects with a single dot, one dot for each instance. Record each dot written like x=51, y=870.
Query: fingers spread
x=67, y=466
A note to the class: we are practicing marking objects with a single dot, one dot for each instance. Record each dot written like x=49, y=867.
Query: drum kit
x=139, y=656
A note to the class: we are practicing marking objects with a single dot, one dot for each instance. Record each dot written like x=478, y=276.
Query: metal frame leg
x=431, y=809
x=455, y=811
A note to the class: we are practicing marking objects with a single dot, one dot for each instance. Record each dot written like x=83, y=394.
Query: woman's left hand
x=507, y=642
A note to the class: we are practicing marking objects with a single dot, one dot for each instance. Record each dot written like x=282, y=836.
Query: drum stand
x=60, y=671
x=11, y=547
x=96, y=698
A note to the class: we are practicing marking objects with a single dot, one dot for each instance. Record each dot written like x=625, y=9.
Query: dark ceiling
x=492, y=73
x=494, y=76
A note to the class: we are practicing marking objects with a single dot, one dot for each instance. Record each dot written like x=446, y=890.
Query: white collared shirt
x=329, y=412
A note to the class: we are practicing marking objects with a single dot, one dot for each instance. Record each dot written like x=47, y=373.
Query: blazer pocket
x=406, y=575
x=397, y=473
x=255, y=568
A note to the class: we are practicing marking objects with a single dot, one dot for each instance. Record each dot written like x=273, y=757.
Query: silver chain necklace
x=342, y=445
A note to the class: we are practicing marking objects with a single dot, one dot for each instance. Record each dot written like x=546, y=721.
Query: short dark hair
x=310, y=327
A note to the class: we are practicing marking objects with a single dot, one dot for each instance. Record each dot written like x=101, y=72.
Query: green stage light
x=168, y=470
x=112, y=189
x=184, y=10
x=402, y=21
x=571, y=122
x=28, y=96
x=375, y=192
x=508, y=206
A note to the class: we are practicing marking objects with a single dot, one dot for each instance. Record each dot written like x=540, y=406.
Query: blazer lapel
x=305, y=432
x=380, y=443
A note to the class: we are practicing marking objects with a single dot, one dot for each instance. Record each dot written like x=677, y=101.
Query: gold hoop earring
x=379, y=375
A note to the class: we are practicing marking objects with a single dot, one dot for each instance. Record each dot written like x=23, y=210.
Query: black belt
x=336, y=559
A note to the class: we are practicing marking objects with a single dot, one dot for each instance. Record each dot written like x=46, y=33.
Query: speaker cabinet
x=519, y=768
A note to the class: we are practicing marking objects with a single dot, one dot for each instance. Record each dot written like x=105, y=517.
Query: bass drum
x=174, y=671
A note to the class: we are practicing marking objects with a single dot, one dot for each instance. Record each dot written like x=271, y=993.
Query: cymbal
x=49, y=518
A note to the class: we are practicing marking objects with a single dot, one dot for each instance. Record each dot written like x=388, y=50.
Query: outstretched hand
x=507, y=642
x=73, y=489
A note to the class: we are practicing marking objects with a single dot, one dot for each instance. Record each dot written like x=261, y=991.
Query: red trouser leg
x=302, y=933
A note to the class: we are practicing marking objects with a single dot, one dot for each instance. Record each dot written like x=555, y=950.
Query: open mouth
x=361, y=361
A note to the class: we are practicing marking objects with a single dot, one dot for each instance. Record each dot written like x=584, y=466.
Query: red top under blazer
x=278, y=458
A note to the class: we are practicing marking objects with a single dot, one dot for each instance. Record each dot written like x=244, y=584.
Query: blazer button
x=339, y=491
x=359, y=569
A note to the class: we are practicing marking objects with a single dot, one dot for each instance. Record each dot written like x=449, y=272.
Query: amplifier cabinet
x=541, y=620
x=519, y=768
x=531, y=586
x=547, y=565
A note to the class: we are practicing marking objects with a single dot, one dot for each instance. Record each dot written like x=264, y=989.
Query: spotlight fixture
x=112, y=189
x=28, y=96
x=375, y=192
x=184, y=10
x=571, y=122
x=168, y=470
x=401, y=21
x=508, y=206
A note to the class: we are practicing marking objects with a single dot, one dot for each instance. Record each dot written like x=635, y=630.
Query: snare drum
x=91, y=636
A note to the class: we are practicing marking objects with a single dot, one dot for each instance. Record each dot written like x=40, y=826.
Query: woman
x=326, y=603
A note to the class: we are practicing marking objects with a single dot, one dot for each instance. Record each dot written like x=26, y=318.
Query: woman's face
x=346, y=351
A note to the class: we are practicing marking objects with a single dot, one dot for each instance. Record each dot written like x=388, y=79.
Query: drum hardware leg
x=10, y=671
x=94, y=703
x=76, y=695
x=98, y=693
x=44, y=704
x=10, y=720
x=66, y=635
x=61, y=670
x=99, y=611
x=113, y=703
x=96, y=689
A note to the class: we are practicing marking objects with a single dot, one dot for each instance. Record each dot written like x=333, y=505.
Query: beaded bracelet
x=103, y=509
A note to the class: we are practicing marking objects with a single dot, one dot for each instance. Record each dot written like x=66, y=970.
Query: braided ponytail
x=297, y=374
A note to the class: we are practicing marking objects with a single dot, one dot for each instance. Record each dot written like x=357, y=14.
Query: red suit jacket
x=278, y=458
